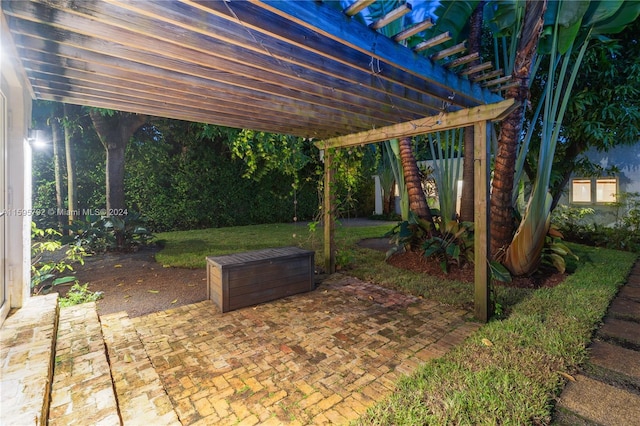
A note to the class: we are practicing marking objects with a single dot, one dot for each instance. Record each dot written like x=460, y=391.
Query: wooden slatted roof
x=294, y=67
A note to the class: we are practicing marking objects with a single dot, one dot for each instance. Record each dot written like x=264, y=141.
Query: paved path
x=607, y=390
x=322, y=357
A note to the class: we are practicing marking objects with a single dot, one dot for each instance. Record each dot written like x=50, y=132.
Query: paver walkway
x=82, y=391
x=607, y=391
x=322, y=357
x=27, y=344
x=141, y=396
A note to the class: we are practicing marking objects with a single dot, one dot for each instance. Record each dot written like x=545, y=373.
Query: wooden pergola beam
x=357, y=6
x=395, y=14
x=405, y=34
x=436, y=123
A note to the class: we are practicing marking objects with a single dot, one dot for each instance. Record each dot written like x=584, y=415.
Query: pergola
x=305, y=68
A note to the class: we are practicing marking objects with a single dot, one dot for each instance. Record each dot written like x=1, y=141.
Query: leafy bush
x=454, y=244
x=344, y=258
x=409, y=234
x=78, y=294
x=450, y=243
x=555, y=252
x=50, y=259
x=577, y=224
x=103, y=233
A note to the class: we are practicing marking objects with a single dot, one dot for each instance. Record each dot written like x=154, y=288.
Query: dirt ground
x=136, y=283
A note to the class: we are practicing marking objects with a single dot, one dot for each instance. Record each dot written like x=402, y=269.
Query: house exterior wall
x=627, y=160
x=16, y=169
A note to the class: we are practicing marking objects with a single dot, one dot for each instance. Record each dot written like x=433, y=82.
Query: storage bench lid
x=247, y=257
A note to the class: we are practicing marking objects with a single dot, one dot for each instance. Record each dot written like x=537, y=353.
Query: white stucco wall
x=627, y=160
x=17, y=170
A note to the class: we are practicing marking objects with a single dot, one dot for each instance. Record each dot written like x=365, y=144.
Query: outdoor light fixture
x=37, y=138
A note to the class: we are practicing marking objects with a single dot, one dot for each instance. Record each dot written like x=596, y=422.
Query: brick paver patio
x=322, y=357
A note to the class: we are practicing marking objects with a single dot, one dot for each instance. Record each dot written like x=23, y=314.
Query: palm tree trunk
x=417, y=199
x=467, y=201
x=502, y=222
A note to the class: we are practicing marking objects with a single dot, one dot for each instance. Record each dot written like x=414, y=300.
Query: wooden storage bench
x=244, y=279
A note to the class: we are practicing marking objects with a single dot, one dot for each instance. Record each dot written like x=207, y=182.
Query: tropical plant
x=408, y=178
x=523, y=25
x=100, y=233
x=603, y=111
x=391, y=150
x=78, y=294
x=447, y=165
x=555, y=251
x=568, y=26
x=409, y=234
x=50, y=260
x=453, y=245
x=387, y=174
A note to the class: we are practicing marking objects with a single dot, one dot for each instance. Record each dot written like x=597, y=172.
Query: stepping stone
x=27, y=341
x=633, y=280
x=616, y=358
x=621, y=331
x=625, y=308
x=82, y=392
x=630, y=293
x=600, y=403
x=141, y=395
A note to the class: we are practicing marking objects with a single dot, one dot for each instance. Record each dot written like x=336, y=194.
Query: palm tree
x=573, y=25
x=413, y=182
x=501, y=209
x=467, y=202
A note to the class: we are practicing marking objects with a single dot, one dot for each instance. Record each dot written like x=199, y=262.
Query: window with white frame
x=606, y=190
x=595, y=190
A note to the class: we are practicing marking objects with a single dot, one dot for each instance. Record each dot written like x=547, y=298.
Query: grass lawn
x=189, y=249
x=508, y=372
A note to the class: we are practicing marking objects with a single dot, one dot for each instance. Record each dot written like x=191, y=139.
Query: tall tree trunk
x=502, y=222
x=467, y=201
x=56, y=133
x=114, y=132
x=69, y=134
x=417, y=199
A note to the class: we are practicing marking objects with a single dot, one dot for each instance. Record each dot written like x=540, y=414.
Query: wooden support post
x=328, y=214
x=481, y=222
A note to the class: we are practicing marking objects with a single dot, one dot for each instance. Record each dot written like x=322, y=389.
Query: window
x=606, y=190
x=581, y=190
x=598, y=190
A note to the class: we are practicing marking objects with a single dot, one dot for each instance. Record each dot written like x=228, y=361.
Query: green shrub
x=104, y=233
x=577, y=224
x=78, y=294
x=50, y=260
